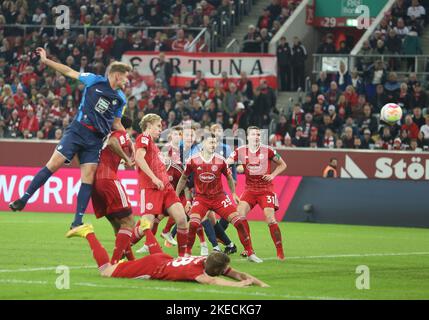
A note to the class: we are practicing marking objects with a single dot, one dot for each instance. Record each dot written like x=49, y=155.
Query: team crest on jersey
x=170, y=178
x=261, y=156
x=149, y=206
x=214, y=167
x=115, y=102
x=102, y=105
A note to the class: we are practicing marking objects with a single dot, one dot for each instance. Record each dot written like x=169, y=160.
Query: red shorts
x=264, y=199
x=155, y=202
x=221, y=205
x=143, y=268
x=109, y=197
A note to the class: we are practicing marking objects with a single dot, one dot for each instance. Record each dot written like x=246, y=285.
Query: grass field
x=321, y=263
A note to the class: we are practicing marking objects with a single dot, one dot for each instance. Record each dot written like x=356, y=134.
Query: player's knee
x=127, y=222
x=181, y=222
x=194, y=224
x=270, y=217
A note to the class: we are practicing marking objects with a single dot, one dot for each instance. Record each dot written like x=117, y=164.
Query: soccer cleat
x=169, y=238
x=204, y=249
x=254, y=258
x=230, y=250
x=144, y=249
x=167, y=244
x=217, y=249
x=17, y=205
x=80, y=231
x=244, y=254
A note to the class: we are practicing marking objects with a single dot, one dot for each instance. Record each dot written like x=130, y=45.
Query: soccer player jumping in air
x=161, y=266
x=208, y=167
x=100, y=110
x=256, y=159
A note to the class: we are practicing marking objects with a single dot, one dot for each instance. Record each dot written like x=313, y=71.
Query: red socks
x=136, y=235
x=182, y=240
x=170, y=223
x=276, y=235
x=200, y=233
x=121, y=245
x=194, y=224
x=246, y=225
x=238, y=223
x=129, y=253
x=98, y=251
x=151, y=242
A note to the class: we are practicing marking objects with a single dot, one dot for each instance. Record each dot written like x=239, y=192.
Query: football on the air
x=391, y=113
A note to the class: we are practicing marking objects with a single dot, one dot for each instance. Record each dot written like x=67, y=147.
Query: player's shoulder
x=219, y=157
x=243, y=147
x=121, y=95
x=144, y=138
x=177, y=167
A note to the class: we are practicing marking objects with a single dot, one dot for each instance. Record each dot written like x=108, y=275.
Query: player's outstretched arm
x=206, y=279
x=65, y=70
x=114, y=145
x=181, y=184
x=142, y=163
x=237, y=275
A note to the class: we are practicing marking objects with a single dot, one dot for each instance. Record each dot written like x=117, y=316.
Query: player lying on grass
x=256, y=160
x=208, y=168
x=100, y=111
x=161, y=266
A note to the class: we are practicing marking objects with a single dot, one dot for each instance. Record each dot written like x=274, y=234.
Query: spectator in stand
x=180, y=41
x=265, y=21
x=410, y=127
x=229, y=103
x=343, y=78
x=425, y=129
x=367, y=142
x=392, y=87
x=29, y=125
x=263, y=40
x=348, y=138
x=300, y=141
x=327, y=47
x=245, y=87
x=249, y=40
x=323, y=82
x=404, y=97
x=163, y=71
x=418, y=118
x=419, y=97
x=331, y=170
x=416, y=13
x=120, y=45
x=401, y=29
x=368, y=121
x=299, y=56
x=333, y=93
x=296, y=118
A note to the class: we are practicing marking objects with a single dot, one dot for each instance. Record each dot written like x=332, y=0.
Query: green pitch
x=321, y=263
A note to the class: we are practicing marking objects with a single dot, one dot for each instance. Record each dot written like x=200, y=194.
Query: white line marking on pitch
x=267, y=259
x=173, y=289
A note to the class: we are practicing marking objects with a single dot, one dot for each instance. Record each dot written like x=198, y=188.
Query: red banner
x=60, y=191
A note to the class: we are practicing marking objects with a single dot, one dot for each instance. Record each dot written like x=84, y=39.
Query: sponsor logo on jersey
x=254, y=167
x=102, y=105
x=206, y=177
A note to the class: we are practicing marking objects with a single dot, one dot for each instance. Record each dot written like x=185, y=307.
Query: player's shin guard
x=39, y=180
x=220, y=233
x=194, y=224
x=82, y=202
x=276, y=235
x=210, y=232
x=137, y=234
x=170, y=223
x=98, y=251
x=151, y=242
x=200, y=233
x=246, y=225
x=244, y=236
x=122, y=243
x=182, y=240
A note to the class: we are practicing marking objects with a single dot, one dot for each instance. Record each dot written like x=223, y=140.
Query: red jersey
x=256, y=164
x=109, y=161
x=153, y=158
x=174, y=172
x=207, y=174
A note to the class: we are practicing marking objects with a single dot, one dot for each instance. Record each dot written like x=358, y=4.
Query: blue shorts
x=80, y=140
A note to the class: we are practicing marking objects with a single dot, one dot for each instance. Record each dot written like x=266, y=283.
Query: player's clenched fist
x=159, y=184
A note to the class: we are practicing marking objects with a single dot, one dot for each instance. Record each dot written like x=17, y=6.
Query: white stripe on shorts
x=122, y=194
x=142, y=201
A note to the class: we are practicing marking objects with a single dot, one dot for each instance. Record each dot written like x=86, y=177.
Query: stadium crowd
x=340, y=111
